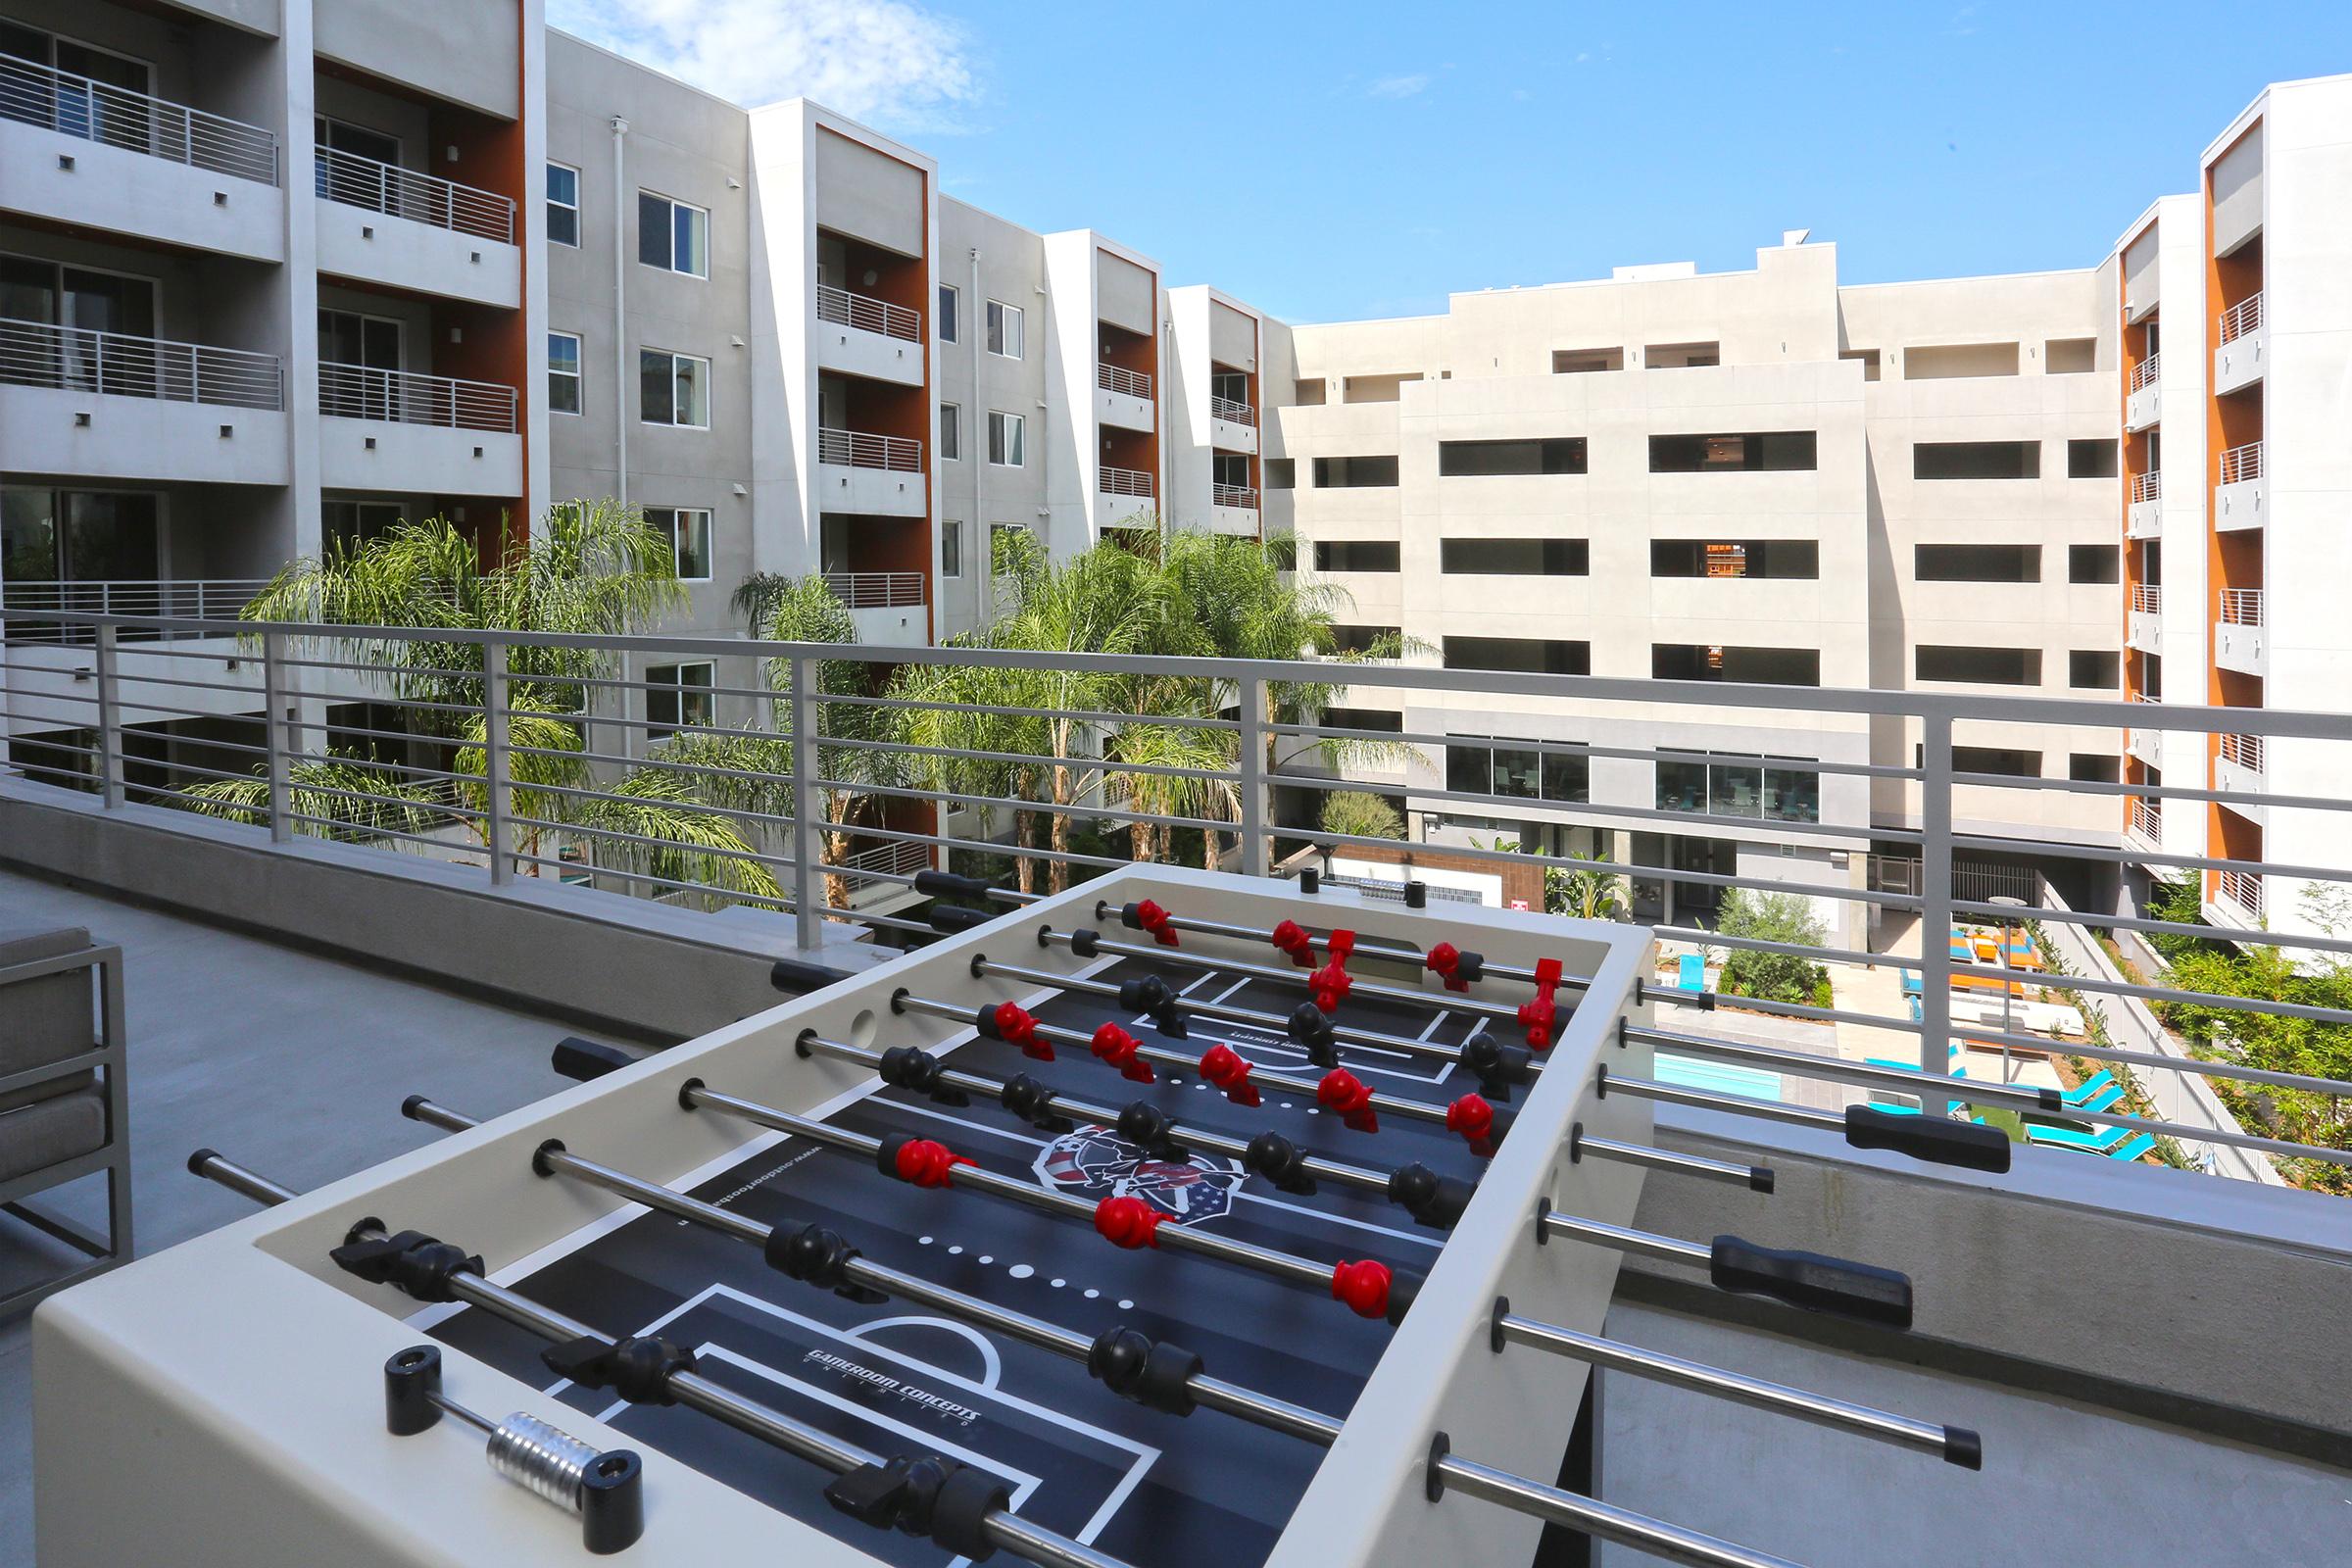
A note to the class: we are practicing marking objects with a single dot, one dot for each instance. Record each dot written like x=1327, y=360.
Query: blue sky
x=1330, y=161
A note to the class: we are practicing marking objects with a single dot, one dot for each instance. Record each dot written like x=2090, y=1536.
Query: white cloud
x=1397, y=87
x=886, y=61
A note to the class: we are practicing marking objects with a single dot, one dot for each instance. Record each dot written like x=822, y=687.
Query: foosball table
x=1177, y=1218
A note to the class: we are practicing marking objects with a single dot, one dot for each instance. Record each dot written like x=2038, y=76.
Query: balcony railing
x=2147, y=820
x=1125, y=382
x=2147, y=598
x=2243, y=889
x=172, y=601
x=862, y=448
x=75, y=359
x=2240, y=463
x=877, y=590
x=95, y=716
x=1126, y=482
x=1236, y=495
x=398, y=192
x=2241, y=607
x=869, y=315
x=2244, y=750
x=357, y=392
x=2242, y=318
x=1232, y=413
x=115, y=117
x=2146, y=370
x=2146, y=487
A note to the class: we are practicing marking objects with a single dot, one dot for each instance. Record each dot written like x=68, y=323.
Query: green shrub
x=1786, y=917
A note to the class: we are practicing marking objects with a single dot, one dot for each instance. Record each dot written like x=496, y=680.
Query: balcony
x=1232, y=425
x=398, y=431
x=2241, y=499
x=1123, y=397
x=2144, y=406
x=2244, y=350
x=380, y=223
x=858, y=334
x=2145, y=629
x=888, y=606
x=2145, y=821
x=94, y=155
x=2237, y=897
x=880, y=475
x=1125, y=494
x=1233, y=509
x=2145, y=519
x=2238, y=768
x=2240, y=640
x=103, y=404
x=2145, y=743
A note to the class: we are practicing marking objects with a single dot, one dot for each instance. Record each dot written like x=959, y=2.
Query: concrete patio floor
x=292, y=1064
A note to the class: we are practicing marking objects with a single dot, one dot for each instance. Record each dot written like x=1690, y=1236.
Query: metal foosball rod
x=1587, y=1516
x=1935, y=1140
x=1806, y=1280
x=1310, y=1088
x=966, y=1511
x=1956, y=1445
x=1367, y=1286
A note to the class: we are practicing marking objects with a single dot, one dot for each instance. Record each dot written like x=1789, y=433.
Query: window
x=1586, y=361
x=356, y=522
x=1008, y=439
x=1466, y=459
x=2097, y=564
x=1767, y=667
x=1739, y=785
x=676, y=696
x=563, y=373
x=689, y=531
x=950, y=548
x=1516, y=769
x=1996, y=760
x=1005, y=329
x=674, y=389
x=1976, y=562
x=562, y=204
x=951, y=329
x=1981, y=666
x=2091, y=460
x=1355, y=555
x=1516, y=558
x=1766, y=450
x=1735, y=558
x=1976, y=460
x=2092, y=670
x=1532, y=655
x=950, y=432
x=2090, y=767
x=672, y=235
x=1355, y=473
x=1282, y=473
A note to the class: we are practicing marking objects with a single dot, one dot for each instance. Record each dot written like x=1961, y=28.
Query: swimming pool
x=1718, y=1077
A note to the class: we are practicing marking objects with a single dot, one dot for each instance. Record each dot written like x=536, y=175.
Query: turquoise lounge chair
x=2096, y=1082
x=2138, y=1146
x=2100, y=1140
x=1691, y=972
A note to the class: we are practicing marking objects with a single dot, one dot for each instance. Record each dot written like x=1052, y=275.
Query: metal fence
x=2242, y=318
x=559, y=756
x=1125, y=382
x=35, y=94
x=1232, y=411
x=866, y=314
x=2241, y=462
x=77, y=359
x=863, y=449
x=877, y=590
x=398, y=192
x=357, y=392
x=1126, y=482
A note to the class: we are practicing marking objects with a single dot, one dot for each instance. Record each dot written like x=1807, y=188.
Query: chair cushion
x=48, y=1019
x=35, y=1137
x=34, y=1094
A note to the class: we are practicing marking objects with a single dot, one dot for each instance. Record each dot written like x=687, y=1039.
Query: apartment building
x=276, y=274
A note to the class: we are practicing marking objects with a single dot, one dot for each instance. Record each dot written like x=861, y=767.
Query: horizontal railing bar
x=768, y=862
x=1076, y=764
x=776, y=901
x=1716, y=939
x=2174, y=928
x=1007, y=849
x=1645, y=813
x=1092, y=715
x=2124, y=988
x=1636, y=754
x=2195, y=1067
x=1094, y=813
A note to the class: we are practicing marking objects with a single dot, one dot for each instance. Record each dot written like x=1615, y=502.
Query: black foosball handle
x=947, y=885
x=795, y=974
x=1808, y=1280
x=1934, y=1139
x=583, y=1059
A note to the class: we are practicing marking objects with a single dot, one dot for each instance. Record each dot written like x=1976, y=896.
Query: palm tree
x=595, y=567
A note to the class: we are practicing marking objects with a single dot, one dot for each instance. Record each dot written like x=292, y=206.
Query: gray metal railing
x=863, y=449
x=844, y=309
x=877, y=590
x=2146, y=487
x=507, y=750
x=76, y=359
x=2241, y=462
x=1235, y=495
x=398, y=192
x=2145, y=372
x=1118, y=481
x=2242, y=318
x=1232, y=411
x=2241, y=607
x=358, y=392
x=1125, y=382
x=35, y=94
